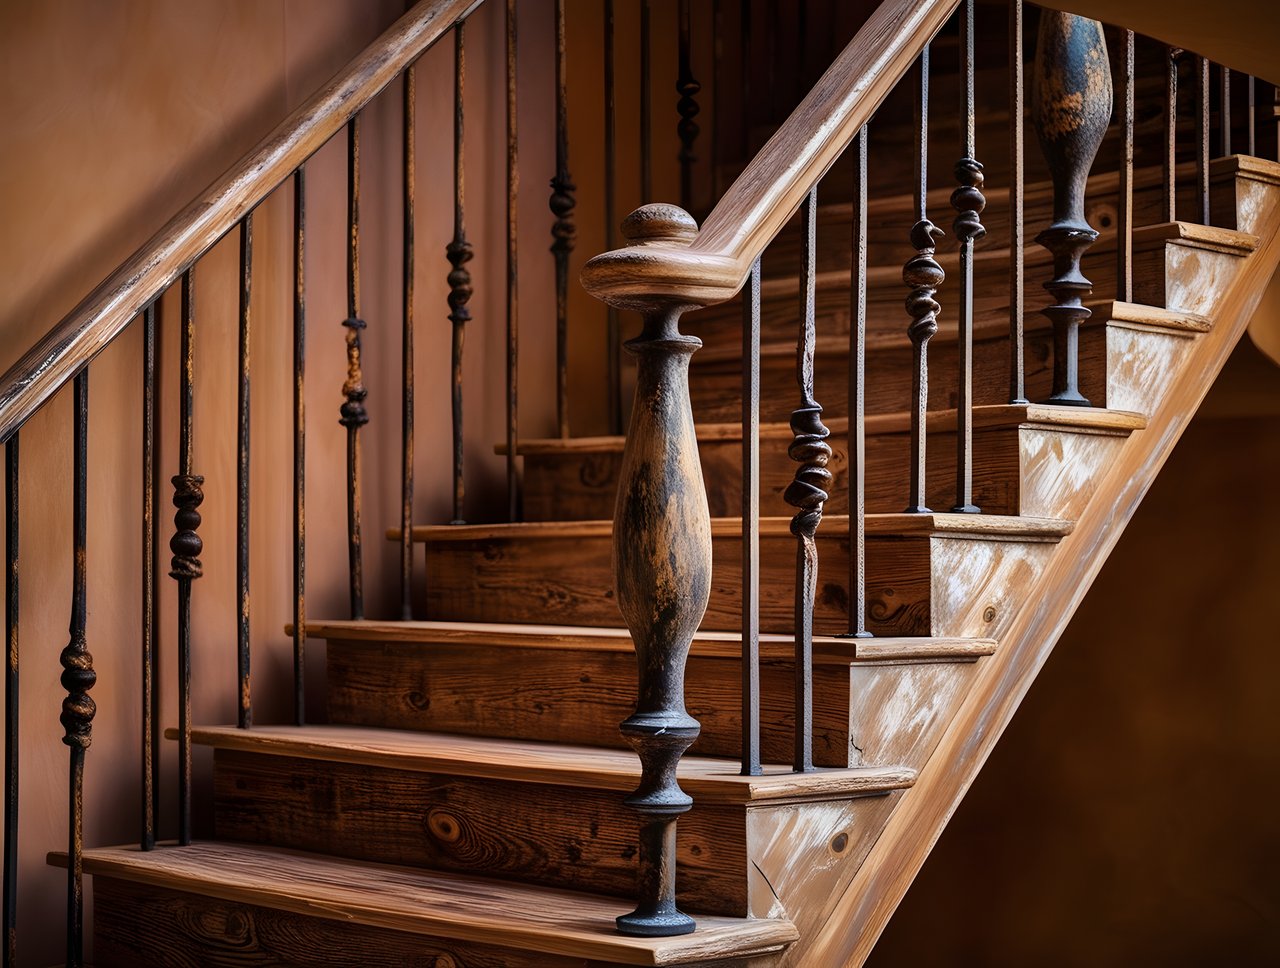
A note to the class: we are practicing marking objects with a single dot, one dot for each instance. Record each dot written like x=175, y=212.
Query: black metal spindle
x=406, y=350
x=11, y=737
x=922, y=275
x=513, y=288
x=751, y=523
x=299, y=446
x=746, y=64
x=1170, y=194
x=150, y=549
x=968, y=201
x=808, y=489
x=1124, y=206
x=1017, y=174
x=717, y=99
x=353, y=413
x=1251, y=113
x=1202, y=139
x=687, y=87
x=613, y=366
x=78, y=676
x=563, y=232
x=646, y=104
x=1224, y=113
x=857, y=397
x=244, y=717
x=459, y=253
x=186, y=546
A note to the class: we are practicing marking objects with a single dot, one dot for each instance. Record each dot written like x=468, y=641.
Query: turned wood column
x=662, y=570
x=1071, y=106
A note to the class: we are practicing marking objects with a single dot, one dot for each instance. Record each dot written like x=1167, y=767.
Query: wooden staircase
x=463, y=806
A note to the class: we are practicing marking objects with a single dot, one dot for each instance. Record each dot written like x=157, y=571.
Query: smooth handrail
x=108, y=309
x=713, y=266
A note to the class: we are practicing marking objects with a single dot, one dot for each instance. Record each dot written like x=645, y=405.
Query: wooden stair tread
x=1195, y=234
x=706, y=779
x=993, y=415
x=424, y=902
x=1246, y=166
x=992, y=526
x=827, y=650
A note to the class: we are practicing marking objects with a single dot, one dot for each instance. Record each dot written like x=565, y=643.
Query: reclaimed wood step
x=927, y=574
x=1020, y=461
x=877, y=702
x=542, y=813
x=287, y=907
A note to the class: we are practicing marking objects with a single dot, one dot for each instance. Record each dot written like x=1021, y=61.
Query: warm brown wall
x=1127, y=816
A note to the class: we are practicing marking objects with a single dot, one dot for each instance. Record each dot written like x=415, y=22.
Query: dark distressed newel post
x=662, y=568
x=1071, y=107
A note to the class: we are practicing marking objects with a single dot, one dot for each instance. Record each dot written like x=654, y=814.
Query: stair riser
x=1183, y=277
x=918, y=585
x=579, y=696
x=510, y=830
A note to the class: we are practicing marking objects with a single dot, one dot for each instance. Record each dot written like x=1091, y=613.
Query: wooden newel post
x=662, y=568
x=1071, y=107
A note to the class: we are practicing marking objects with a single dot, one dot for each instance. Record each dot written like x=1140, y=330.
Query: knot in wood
x=659, y=222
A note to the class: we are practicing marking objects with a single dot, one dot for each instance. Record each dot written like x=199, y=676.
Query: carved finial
x=185, y=543
x=352, y=410
x=659, y=222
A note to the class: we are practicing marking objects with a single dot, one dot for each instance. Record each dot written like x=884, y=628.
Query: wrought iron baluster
x=353, y=413
x=459, y=253
x=186, y=546
x=562, y=230
x=751, y=523
x=244, y=706
x=968, y=201
x=406, y=350
x=1017, y=175
x=1224, y=114
x=717, y=99
x=687, y=87
x=299, y=446
x=150, y=555
x=857, y=397
x=78, y=677
x=808, y=489
x=1170, y=204
x=613, y=366
x=1251, y=113
x=922, y=275
x=646, y=103
x=1124, y=208
x=745, y=146
x=1202, y=139
x=11, y=708
x=513, y=288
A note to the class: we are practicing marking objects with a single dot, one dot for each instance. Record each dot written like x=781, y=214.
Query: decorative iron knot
x=969, y=201
x=78, y=678
x=923, y=274
x=459, y=253
x=687, y=107
x=185, y=543
x=808, y=490
x=562, y=204
x=353, y=412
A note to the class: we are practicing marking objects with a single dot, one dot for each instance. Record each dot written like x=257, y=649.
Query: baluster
x=687, y=87
x=857, y=397
x=809, y=488
x=745, y=146
x=562, y=230
x=1275, y=114
x=662, y=569
x=1170, y=205
x=1071, y=104
x=922, y=275
x=1017, y=174
x=299, y=446
x=1202, y=139
x=1124, y=209
x=717, y=99
x=1224, y=115
x=646, y=104
x=513, y=328
x=11, y=737
x=459, y=253
x=186, y=546
x=1251, y=113
x=353, y=413
x=751, y=523
x=406, y=352
x=245, y=709
x=150, y=600
x=613, y=366
x=968, y=201
x=78, y=677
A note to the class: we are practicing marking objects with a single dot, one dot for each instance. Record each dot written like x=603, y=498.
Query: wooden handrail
x=109, y=308
x=714, y=265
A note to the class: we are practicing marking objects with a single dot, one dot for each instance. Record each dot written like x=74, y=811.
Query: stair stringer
x=853, y=919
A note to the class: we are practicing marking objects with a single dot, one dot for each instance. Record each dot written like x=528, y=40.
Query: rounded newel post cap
x=659, y=222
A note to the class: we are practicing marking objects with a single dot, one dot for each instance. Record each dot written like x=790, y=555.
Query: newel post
x=662, y=570
x=1071, y=107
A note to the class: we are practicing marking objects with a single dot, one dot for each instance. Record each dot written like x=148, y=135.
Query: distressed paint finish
x=978, y=584
x=1187, y=270
x=1059, y=470
x=1141, y=364
x=897, y=711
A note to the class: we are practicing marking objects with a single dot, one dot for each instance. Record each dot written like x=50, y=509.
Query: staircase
x=463, y=805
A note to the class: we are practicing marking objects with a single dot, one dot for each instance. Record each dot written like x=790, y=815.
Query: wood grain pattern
x=435, y=905
x=102, y=314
